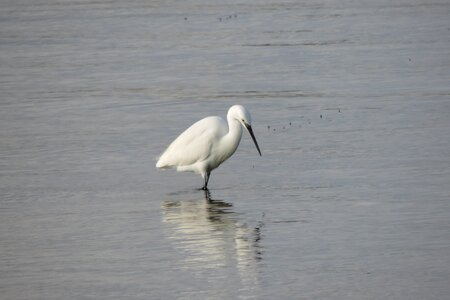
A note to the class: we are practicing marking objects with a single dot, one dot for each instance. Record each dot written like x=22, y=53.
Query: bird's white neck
x=233, y=137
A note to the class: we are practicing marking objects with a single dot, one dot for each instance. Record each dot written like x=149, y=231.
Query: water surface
x=350, y=104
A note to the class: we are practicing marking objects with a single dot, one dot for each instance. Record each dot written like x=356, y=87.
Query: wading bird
x=207, y=143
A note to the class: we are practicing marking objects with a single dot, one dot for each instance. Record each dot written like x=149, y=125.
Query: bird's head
x=242, y=115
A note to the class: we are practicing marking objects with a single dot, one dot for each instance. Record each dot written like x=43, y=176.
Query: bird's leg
x=205, y=187
x=207, y=179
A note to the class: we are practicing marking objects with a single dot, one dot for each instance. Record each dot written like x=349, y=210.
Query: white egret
x=207, y=143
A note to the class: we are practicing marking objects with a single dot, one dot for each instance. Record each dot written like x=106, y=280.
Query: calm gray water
x=351, y=107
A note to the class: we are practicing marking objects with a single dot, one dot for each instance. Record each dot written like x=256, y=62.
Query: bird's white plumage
x=194, y=145
x=207, y=143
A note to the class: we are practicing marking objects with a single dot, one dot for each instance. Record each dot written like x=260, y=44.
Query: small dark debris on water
x=321, y=116
x=290, y=124
x=185, y=18
x=228, y=17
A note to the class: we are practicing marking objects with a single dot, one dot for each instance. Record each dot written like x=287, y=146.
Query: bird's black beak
x=250, y=130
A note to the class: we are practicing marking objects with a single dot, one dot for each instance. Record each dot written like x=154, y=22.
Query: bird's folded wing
x=192, y=146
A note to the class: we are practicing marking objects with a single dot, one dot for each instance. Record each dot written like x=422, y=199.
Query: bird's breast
x=225, y=147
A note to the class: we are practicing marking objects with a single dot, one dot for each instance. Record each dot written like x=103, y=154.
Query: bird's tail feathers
x=162, y=163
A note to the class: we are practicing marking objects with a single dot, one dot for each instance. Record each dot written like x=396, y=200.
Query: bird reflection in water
x=211, y=236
